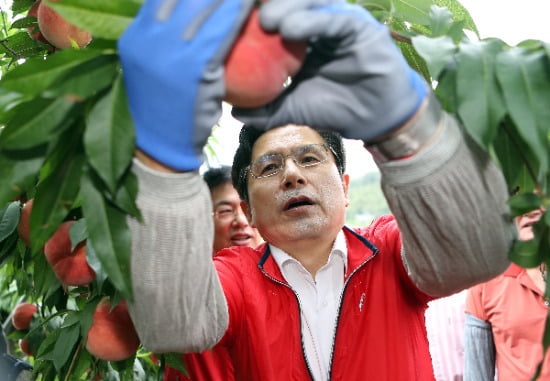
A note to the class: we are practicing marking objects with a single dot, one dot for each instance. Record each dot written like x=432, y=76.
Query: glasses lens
x=309, y=155
x=306, y=156
x=224, y=213
x=267, y=165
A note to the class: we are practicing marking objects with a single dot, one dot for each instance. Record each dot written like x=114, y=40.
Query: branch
x=3, y=43
x=399, y=37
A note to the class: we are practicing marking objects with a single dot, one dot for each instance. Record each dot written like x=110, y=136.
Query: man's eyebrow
x=269, y=153
x=290, y=149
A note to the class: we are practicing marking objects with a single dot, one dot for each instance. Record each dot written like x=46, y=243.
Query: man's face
x=297, y=204
x=231, y=227
x=525, y=223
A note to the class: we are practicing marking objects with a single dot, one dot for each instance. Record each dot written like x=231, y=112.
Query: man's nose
x=292, y=174
x=239, y=218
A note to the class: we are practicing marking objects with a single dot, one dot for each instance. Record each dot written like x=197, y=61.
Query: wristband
x=412, y=137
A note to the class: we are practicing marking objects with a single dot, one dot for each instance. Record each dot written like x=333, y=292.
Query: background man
x=231, y=228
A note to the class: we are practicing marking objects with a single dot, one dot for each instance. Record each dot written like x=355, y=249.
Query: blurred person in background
x=231, y=228
x=505, y=321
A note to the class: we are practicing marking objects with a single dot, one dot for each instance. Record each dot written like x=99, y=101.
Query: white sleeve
x=179, y=304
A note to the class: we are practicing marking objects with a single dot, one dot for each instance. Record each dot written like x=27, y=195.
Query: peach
x=23, y=227
x=112, y=336
x=37, y=35
x=58, y=31
x=71, y=267
x=24, y=346
x=259, y=64
x=22, y=315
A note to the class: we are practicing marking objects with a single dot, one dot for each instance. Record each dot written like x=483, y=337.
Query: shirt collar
x=339, y=248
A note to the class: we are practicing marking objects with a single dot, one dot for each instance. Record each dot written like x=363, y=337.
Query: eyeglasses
x=305, y=156
x=226, y=213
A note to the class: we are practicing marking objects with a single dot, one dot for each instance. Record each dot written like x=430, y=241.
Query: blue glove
x=354, y=79
x=172, y=58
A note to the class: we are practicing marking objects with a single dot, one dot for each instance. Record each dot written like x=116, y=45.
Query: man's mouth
x=296, y=202
x=240, y=239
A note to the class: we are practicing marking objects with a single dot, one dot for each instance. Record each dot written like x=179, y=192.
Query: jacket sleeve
x=173, y=312
x=479, y=350
x=449, y=199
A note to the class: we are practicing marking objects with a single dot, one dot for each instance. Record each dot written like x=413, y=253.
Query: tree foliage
x=67, y=141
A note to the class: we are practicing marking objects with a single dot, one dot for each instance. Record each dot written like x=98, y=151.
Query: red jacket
x=380, y=335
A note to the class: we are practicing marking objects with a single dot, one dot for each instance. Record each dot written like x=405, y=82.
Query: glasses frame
x=327, y=147
x=234, y=214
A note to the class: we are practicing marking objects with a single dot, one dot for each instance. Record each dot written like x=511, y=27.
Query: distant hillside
x=366, y=200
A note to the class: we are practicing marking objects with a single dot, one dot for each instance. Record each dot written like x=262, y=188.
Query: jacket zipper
x=340, y=309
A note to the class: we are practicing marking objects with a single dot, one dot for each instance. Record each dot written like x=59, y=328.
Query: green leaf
x=480, y=104
x=103, y=18
x=523, y=76
x=437, y=52
x=441, y=20
x=24, y=22
x=86, y=79
x=517, y=162
x=54, y=198
x=64, y=345
x=414, y=59
x=525, y=253
x=126, y=195
x=18, y=6
x=45, y=281
x=95, y=264
x=17, y=176
x=37, y=75
x=109, y=138
x=108, y=234
x=8, y=101
x=446, y=88
x=175, y=360
x=48, y=345
x=78, y=232
x=20, y=45
x=86, y=317
x=524, y=203
x=413, y=11
x=9, y=218
x=34, y=123
x=72, y=318
x=460, y=14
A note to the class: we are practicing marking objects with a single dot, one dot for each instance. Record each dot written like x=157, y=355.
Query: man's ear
x=345, y=183
x=247, y=213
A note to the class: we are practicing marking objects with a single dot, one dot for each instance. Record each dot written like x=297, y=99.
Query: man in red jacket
x=318, y=301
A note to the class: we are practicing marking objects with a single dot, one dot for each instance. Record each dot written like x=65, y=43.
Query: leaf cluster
x=67, y=142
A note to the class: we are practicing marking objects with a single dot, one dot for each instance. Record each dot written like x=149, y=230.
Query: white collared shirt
x=319, y=299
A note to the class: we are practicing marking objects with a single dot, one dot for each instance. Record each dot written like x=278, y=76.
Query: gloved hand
x=354, y=79
x=172, y=58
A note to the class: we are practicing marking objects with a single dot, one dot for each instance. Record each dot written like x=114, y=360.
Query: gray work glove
x=354, y=79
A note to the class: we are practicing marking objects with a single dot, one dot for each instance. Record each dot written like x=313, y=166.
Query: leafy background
x=67, y=140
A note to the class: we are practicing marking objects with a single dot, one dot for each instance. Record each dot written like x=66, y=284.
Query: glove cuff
x=412, y=137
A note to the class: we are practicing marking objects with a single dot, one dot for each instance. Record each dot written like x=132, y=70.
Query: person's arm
x=173, y=310
x=450, y=202
x=448, y=197
x=479, y=350
x=174, y=95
